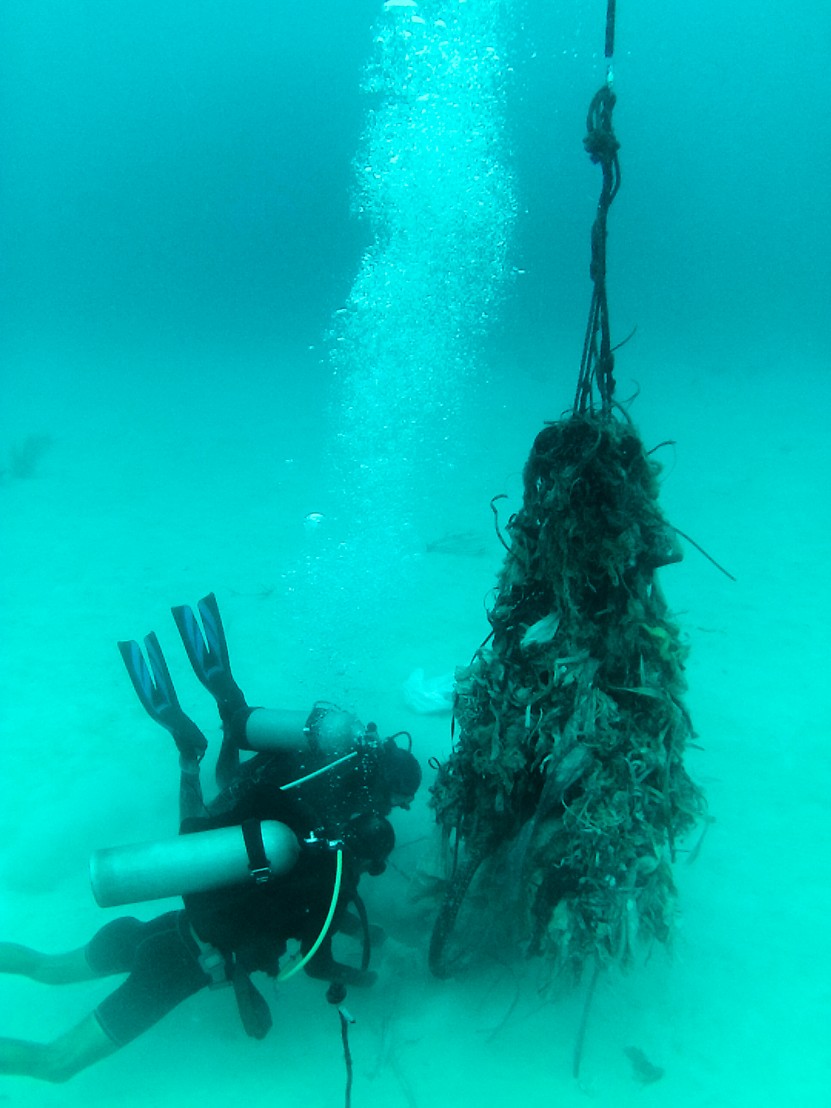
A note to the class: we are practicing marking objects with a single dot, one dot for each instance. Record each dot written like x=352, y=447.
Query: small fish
x=465, y=543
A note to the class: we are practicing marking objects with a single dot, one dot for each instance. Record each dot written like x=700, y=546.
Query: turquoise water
x=287, y=291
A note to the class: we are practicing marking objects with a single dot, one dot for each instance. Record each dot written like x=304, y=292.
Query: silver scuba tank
x=192, y=863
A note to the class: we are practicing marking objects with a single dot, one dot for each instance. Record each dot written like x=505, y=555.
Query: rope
x=345, y=1019
x=610, y=29
x=584, y=1021
x=597, y=363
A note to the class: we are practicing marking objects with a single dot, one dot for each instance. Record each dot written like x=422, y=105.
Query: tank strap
x=258, y=864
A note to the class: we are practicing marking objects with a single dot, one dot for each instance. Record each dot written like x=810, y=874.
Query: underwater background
x=285, y=296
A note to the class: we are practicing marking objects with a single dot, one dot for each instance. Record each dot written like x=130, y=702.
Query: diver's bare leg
x=51, y=969
x=228, y=762
x=61, y=1059
x=191, y=801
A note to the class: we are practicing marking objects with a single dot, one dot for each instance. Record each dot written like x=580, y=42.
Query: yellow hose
x=295, y=967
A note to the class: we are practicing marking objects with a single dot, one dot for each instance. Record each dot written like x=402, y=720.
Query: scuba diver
x=306, y=815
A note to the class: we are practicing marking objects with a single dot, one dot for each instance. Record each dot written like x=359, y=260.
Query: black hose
x=366, y=953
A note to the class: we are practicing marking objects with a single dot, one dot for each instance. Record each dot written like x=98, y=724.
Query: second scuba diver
x=324, y=779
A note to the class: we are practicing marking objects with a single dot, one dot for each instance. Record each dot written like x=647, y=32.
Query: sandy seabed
x=154, y=495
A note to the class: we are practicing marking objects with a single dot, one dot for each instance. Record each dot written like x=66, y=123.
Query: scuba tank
x=255, y=851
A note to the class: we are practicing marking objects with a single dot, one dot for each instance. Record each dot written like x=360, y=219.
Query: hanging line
x=598, y=362
x=610, y=30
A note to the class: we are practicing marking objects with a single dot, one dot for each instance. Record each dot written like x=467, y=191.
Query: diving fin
x=155, y=690
x=208, y=653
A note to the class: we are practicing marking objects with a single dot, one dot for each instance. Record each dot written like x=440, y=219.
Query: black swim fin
x=208, y=653
x=154, y=689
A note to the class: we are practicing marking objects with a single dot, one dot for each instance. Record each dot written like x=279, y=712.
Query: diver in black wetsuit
x=324, y=776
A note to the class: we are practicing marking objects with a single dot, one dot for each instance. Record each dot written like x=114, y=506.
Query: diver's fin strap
x=258, y=864
x=154, y=688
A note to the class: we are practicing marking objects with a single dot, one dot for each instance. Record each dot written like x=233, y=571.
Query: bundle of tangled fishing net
x=565, y=794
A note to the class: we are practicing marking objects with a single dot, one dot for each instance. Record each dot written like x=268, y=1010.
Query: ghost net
x=565, y=793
